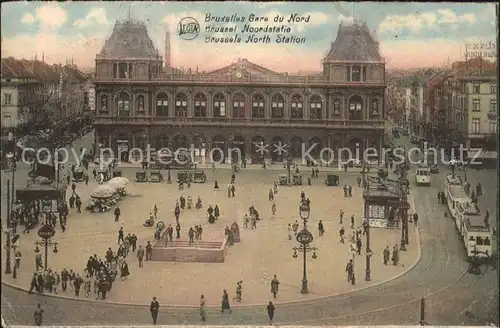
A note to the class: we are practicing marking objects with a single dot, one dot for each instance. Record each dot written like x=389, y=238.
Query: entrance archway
x=180, y=141
x=278, y=149
x=218, y=151
x=258, y=151
x=296, y=147
x=161, y=142
x=122, y=147
x=200, y=146
x=355, y=147
x=238, y=144
x=316, y=145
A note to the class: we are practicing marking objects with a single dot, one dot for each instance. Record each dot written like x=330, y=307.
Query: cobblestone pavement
x=439, y=277
x=261, y=254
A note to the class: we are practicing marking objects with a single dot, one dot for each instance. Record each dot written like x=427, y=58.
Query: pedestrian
x=203, y=310
x=38, y=315
x=341, y=216
x=120, y=235
x=415, y=218
x=321, y=228
x=349, y=269
x=140, y=255
x=270, y=312
x=225, y=302
x=275, y=286
x=352, y=221
x=395, y=255
x=341, y=233
x=387, y=254
x=154, y=308
x=117, y=214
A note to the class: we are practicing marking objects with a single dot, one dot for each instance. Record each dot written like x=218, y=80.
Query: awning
x=479, y=153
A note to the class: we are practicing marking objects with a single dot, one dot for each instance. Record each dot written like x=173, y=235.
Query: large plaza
x=261, y=253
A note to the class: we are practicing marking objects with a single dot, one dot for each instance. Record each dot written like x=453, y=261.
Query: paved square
x=261, y=254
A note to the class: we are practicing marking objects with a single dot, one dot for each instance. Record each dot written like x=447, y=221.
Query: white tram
x=454, y=196
x=465, y=211
x=423, y=176
x=452, y=180
x=477, y=236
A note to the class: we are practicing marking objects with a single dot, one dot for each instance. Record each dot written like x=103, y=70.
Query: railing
x=226, y=78
x=217, y=121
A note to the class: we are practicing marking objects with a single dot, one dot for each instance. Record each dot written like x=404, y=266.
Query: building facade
x=34, y=92
x=242, y=105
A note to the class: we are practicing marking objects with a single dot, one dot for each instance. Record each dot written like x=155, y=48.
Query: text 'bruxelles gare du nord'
x=250, y=31
x=327, y=156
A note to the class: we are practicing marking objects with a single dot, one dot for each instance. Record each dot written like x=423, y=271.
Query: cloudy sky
x=410, y=34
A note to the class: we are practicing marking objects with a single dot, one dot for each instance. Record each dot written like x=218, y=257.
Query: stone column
x=190, y=104
x=286, y=105
x=306, y=104
x=267, y=104
x=152, y=111
x=229, y=104
x=171, y=103
x=210, y=104
x=325, y=105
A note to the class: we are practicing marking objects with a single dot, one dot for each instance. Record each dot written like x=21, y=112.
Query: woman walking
x=225, y=302
x=203, y=310
x=270, y=312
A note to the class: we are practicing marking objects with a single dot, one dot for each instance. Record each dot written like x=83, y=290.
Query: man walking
x=154, y=308
x=270, y=312
x=274, y=286
x=38, y=315
x=140, y=255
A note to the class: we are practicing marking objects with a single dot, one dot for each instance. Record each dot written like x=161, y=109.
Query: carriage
x=283, y=179
x=78, y=174
x=332, y=180
x=155, y=176
x=297, y=180
x=184, y=177
x=141, y=177
x=199, y=177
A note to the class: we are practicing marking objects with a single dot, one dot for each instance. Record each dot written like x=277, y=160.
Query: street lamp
x=288, y=168
x=45, y=233
x=304, y=212
x=403, y=206
x=304, y=237
x=368, y=254
x=8, y=267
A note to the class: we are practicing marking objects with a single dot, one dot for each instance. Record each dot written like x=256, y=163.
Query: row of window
x=476, y=88
x=476, y=105
x=476, y=126
x=240, y=107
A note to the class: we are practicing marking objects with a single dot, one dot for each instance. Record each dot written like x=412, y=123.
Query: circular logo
x=188, y=28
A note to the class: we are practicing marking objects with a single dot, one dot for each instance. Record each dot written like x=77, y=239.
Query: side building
x=243, y=105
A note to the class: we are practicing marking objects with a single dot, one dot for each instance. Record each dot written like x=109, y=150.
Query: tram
x=477, y=237
x=423, y=176
x=455, y=195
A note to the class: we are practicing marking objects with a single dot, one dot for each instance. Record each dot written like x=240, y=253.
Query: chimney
x=167, y=50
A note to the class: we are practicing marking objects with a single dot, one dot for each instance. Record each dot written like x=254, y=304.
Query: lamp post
x=45, y=233
x=8, y=267
x=304, y=212
x=368, y=254
x=304, y=238
x=403, y=206
x=288, y=168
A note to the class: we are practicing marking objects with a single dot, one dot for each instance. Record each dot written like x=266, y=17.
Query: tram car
x=465, y=211
x=423, y=176
x=456, y=195
x=477, y=237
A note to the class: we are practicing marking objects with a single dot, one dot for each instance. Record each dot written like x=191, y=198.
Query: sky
x=410, y=34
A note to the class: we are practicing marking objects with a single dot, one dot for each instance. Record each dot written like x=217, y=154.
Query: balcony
x=239, y=122
x=203, y=79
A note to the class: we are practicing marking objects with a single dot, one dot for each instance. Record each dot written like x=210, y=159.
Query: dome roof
x=129, y=40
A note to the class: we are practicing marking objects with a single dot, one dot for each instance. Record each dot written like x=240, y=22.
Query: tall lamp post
x=288, y=168
x=403, y=206
x=304, y=238
x=45, y=233
x=8, y=267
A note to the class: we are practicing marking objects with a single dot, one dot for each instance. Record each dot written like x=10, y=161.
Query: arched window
x=337, y=104
x=374, y=110
x=297, y=107
x=356, y=73
x=356, y=108
x=200, y=105
x=140, y=103
x=258, y=108
x=162, y=105
x=181, y=105
x=316, y=107
x=104, y=103
x=277, y=106
x=239, y=106
x=219, y=105
x=123, y=104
